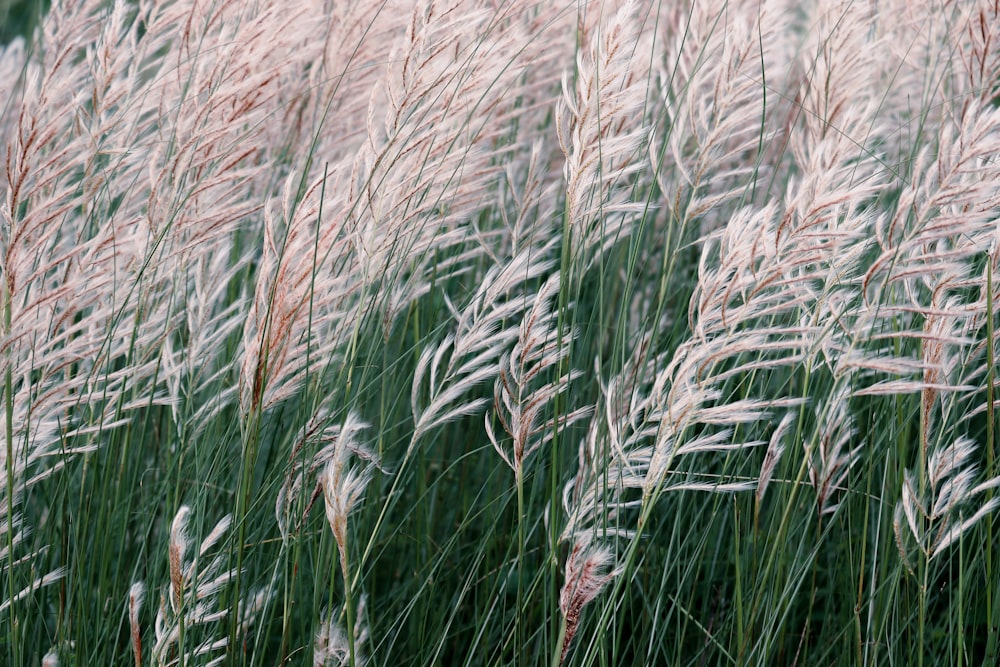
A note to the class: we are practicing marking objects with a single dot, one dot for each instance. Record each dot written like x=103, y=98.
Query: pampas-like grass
x=331, y=647
x=188, y=620
x=930, y=521
x=586, y=576
x=683, y=316
x=599, y=134
x=519, y=400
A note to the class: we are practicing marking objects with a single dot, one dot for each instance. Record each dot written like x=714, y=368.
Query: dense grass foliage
x=433, y=332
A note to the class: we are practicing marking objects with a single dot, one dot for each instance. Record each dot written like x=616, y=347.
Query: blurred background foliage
x=19, y=17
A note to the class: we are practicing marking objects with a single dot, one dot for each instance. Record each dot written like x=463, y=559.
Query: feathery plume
x=333, y=444
x=343, y=484
x=302, y=298
x=331, y=647
x=738, y=305
x=720, y=60
x=775, y=449
x=601, y=134
x=932, y=519
x=469, y=356
x=190, y=611
x=586, y=576
x=136, y=596
x=519, y=400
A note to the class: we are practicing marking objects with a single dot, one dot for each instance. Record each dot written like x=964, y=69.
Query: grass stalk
x=8, y=404
x=991, y=630
x=349, y=608
x=302, y=215
x=520, y=615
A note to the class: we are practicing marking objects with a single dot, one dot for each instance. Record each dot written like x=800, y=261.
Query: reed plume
x=252, y=253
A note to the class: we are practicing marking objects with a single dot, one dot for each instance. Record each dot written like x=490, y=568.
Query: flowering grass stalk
x=665, y=327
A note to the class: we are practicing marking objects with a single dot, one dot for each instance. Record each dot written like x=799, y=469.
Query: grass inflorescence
x=420, y=332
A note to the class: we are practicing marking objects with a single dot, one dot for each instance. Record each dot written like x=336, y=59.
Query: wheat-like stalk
x=521, y=396
x=600, y=136
x=930, y=521
x=234, y=235
x=188, y=619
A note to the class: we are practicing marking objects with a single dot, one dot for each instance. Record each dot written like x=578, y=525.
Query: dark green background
x=19, y=17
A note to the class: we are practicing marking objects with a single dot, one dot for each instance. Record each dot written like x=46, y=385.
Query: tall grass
x=418, y=332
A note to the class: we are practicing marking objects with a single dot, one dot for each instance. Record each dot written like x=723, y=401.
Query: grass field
x=514, y=332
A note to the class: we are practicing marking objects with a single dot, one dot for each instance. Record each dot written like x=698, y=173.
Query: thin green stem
x=519, y=638
x=922, y=610
x=348, y=603
x=557, y=654
x=991, y=633
x=738, y=576
x=925, y=407
x=8, y=401
x=562, y=324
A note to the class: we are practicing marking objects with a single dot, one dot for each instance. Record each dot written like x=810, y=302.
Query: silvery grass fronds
x=836, y=140
x=921, y=281
x=69, y=362
x=830, y=197
x=189, y=621
x=520, y=395
x=587, y=573
x=601, y=132
x=834, y=145
x=916, y=64
x=214, y=152
x=772, y=457
x=981, y=50
x=184, y=117
x=930, y=517
x=302, y=297
x=618, y=434
x=164, y=148
x=343, y=482
x=545, y=35
x=104, y=192
x=209, y=159
x=945, y=215
x=179, y=117
x=945, y=218
x=741, y=325
x=719, y=59
x=938, y=58
x=318, y=444
x=829, y=455
x=348, y=53
x=470, y=354
x=331, y=647
x=435, y=129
